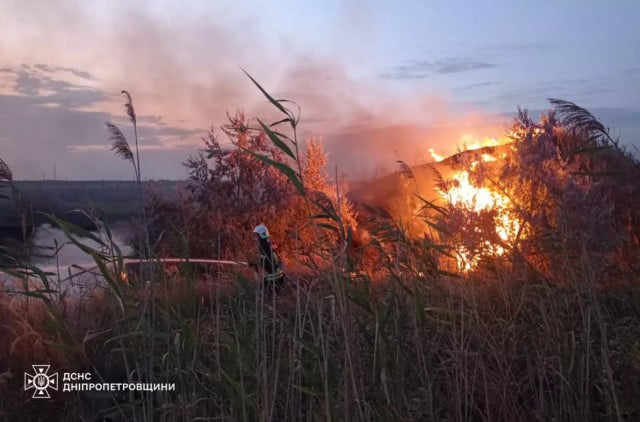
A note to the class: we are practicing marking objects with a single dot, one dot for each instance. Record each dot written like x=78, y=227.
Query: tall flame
x=463, y=194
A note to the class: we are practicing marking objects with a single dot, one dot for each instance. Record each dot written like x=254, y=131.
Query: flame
x=437, y=157
x=464, y=194
x=469, y=143
x=473, y=197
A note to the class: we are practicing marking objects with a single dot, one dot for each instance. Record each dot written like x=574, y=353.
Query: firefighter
x=269, y=261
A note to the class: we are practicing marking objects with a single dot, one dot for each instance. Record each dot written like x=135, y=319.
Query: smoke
x=365, y=127
x=184, y=64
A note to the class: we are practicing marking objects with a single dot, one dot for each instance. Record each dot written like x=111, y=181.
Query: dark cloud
x=45, y=121
x=44, y=67
x=77, y=73
x=403, y=73
x=455, y=65
x=154, y=120
x=420, y=69
x=53, y=69
x=42, y=87
x=478, y=85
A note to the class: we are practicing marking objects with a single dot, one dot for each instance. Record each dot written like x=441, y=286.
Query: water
x=46, y=236
x=69, y=263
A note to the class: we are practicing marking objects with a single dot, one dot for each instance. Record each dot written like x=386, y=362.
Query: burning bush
x=561, y=192
x=552, y=196
x=231, y=191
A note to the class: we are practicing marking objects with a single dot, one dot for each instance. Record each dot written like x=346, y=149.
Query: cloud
x=364, y=128
x=478, y=85
x=420, y=69
x=183, y=70
x=44, y=120
x=404, y=73
x=48, y=85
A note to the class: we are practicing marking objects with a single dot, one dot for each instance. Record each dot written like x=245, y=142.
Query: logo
x=40, y=381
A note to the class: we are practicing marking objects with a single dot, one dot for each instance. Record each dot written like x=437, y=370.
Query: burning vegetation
x=557, y=187
x=549, y=189
x=544, y=216
x=462, y=196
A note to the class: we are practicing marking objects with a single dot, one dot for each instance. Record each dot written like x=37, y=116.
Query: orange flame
x=468, y=143
x=465, y=195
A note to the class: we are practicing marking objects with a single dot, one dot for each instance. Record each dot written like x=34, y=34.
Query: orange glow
x=470, y=143
x=436, y=157
x=473, y=197
x=463, y=194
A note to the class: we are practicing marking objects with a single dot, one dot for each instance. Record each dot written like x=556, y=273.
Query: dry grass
x=494, y=348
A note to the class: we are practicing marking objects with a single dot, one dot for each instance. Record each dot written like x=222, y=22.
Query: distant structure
x=44, y=174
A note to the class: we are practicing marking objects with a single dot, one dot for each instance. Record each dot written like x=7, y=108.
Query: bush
x=572, y=197
x=231, y=191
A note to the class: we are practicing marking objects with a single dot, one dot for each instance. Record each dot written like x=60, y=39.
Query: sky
x=377, y=81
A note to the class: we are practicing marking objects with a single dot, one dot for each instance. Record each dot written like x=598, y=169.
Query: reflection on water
x=46, y=238
x=64, y=264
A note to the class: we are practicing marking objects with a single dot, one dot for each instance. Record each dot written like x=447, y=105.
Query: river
x=68, y=258
x=45, y=238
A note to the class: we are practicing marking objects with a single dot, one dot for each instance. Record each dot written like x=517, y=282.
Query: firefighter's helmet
x=262, y=231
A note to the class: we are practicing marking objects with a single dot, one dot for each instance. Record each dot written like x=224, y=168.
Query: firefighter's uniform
x=269, y=261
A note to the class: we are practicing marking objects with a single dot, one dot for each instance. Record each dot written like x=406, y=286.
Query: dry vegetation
x=547, y=330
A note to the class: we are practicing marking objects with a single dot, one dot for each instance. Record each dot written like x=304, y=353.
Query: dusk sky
x=377, y=81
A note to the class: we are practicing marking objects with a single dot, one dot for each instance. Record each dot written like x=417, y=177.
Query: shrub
x=231, y=191
x=570, y=195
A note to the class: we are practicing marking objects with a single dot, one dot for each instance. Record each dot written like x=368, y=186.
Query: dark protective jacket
x=269, y=261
